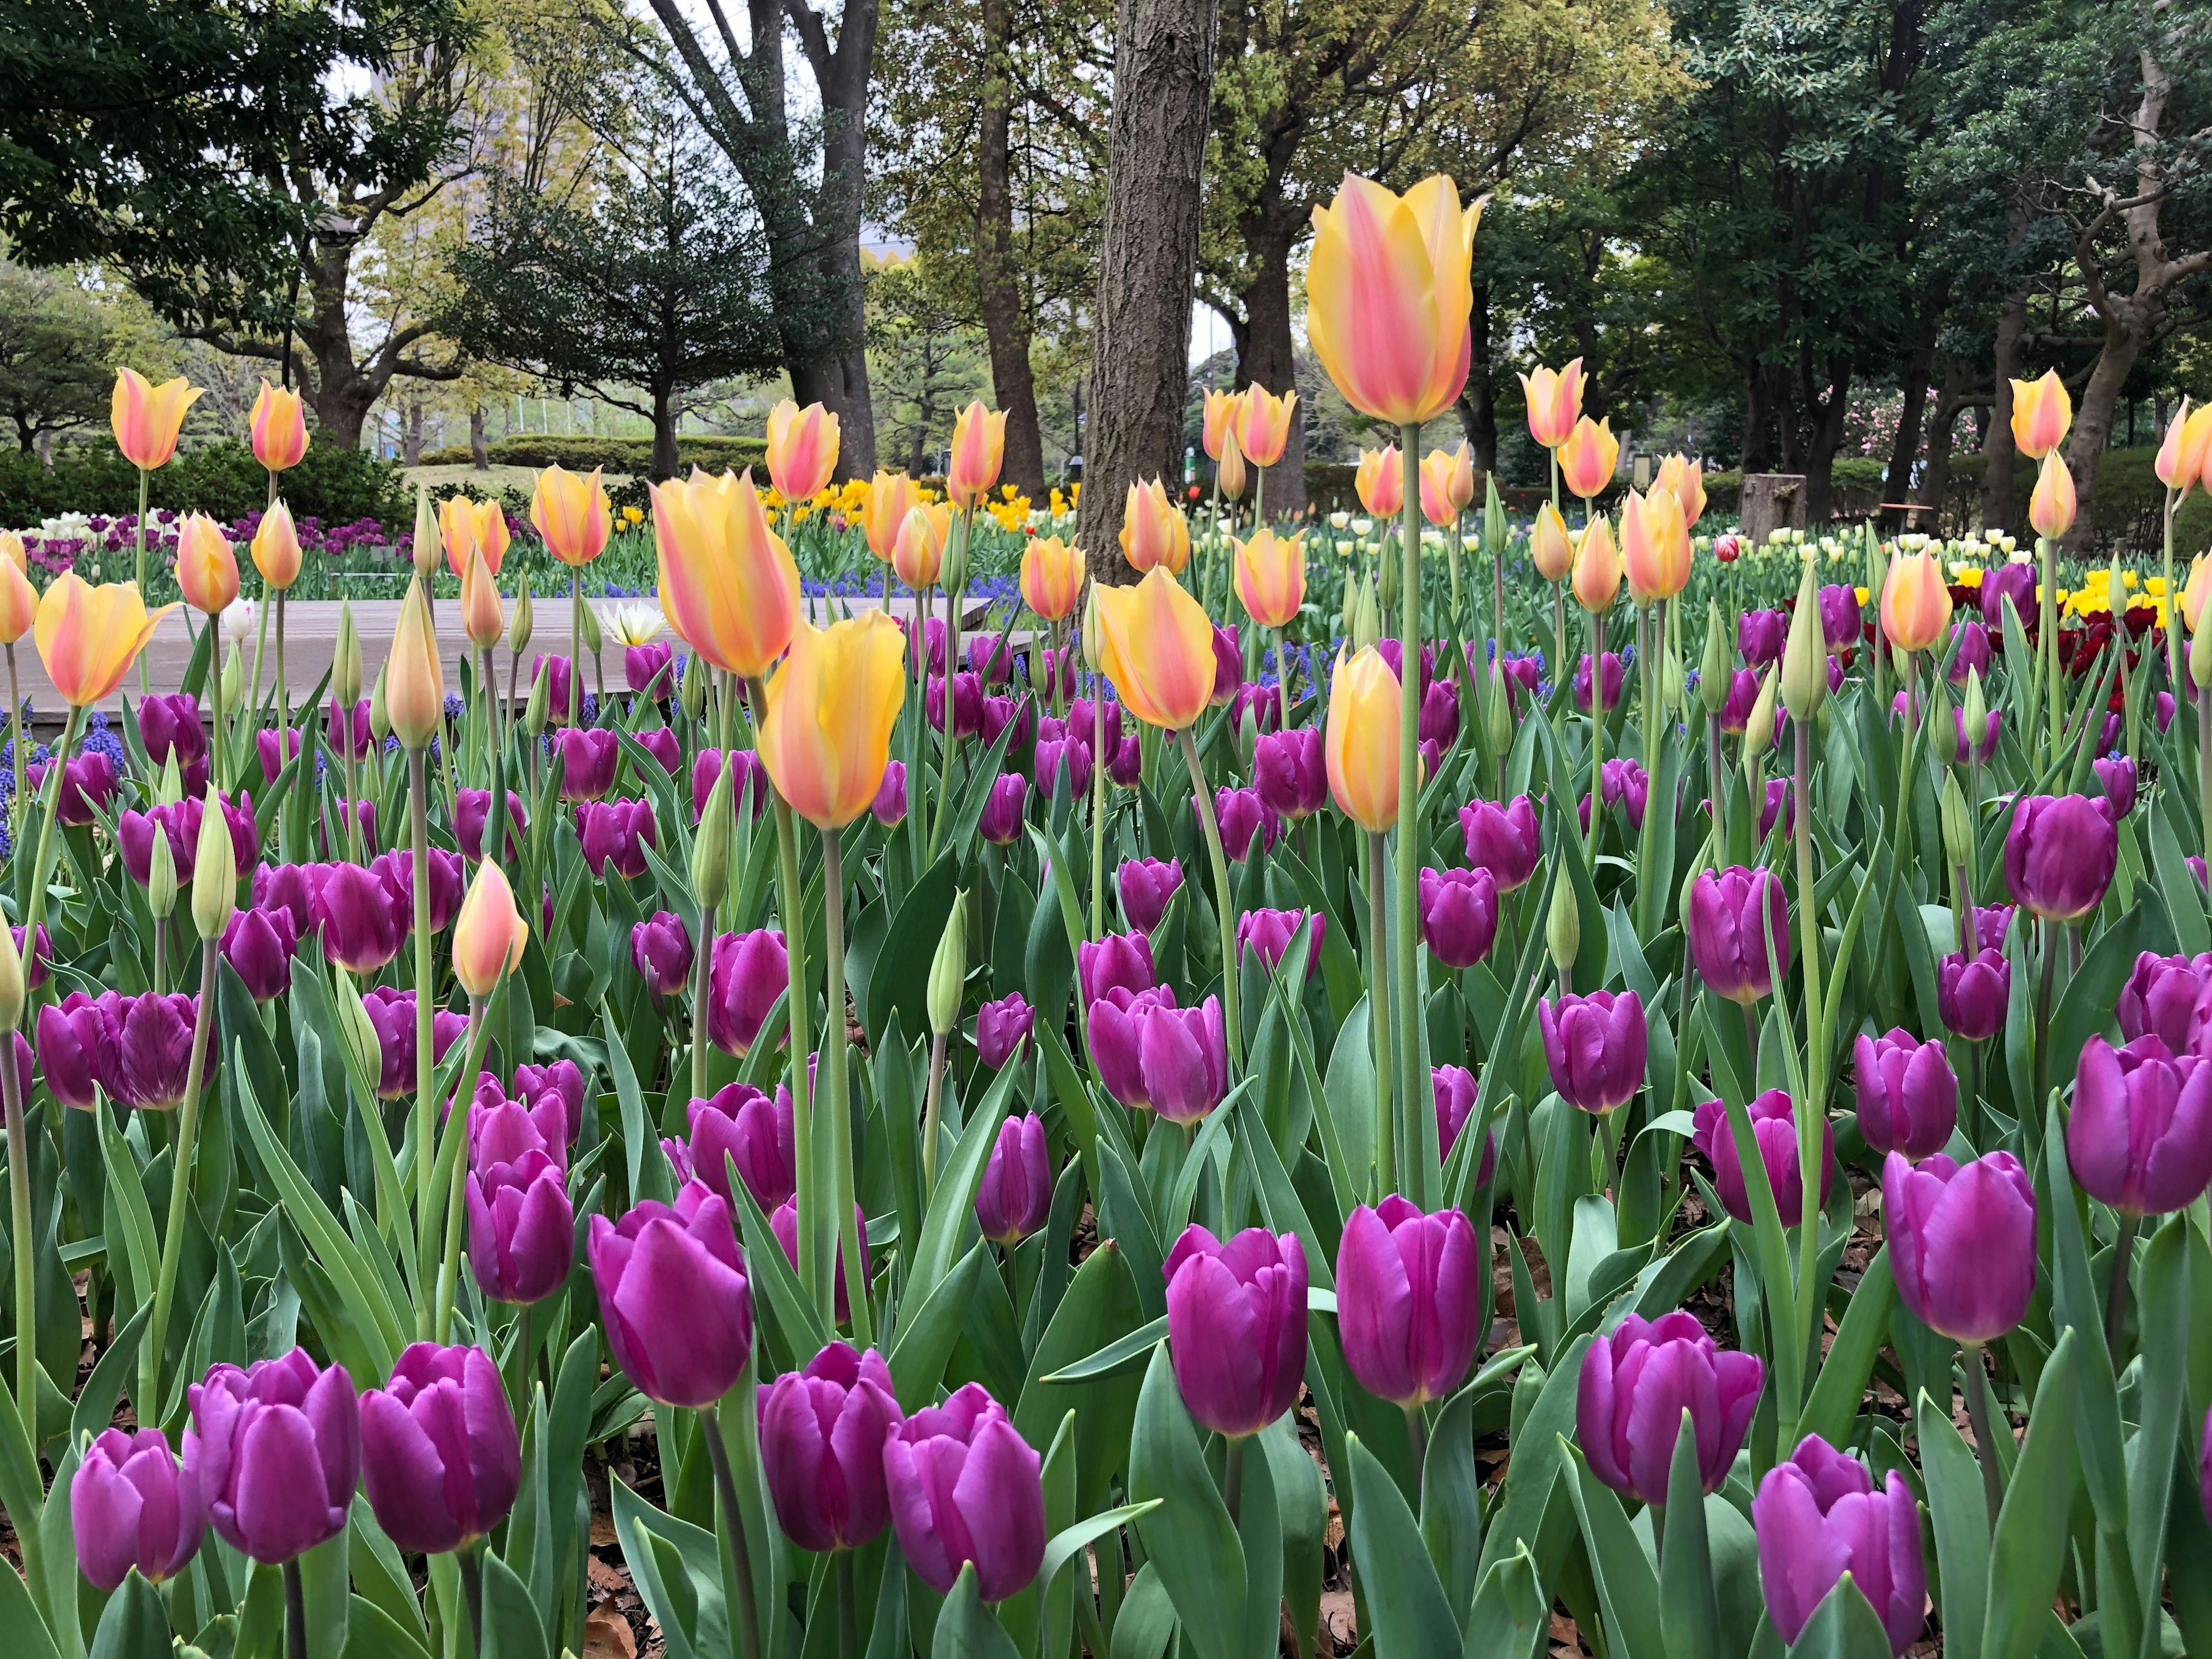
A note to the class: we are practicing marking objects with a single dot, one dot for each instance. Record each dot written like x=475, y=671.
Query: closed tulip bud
x=1156, y=645
x=214, y=875
x=822, y=1433
x=2140, y=1137
x=279, y=427
x=825, y=733
x=1596, y=580
x=1551, y=547
x=1713, y=675
x=673, y=1297
x=2042, y=411
x=1555, y=402
x=1916, y=604
x=132, y=1505
x=691, y=693
x=482, y=618
x=1014, y=1198
x=1154, y=533
x=426, y=547
x=2051, y=508
x=1562, y=927
x=2200, y=653
x=146, y=417
x=1730, y=914
x=1961, y=1242
x=1635, y=1385
x=276, y=547
x=1386, y=570
x=1271, y=576
x=1819, y=1518
x=1228, y=470
x=345, y=659
x=2179, y=461
x=441, y=1458
x=1380, y=480
x=1588, y=457
x=1388, y=294
x=276, y=1450
x=1360, y=744
x=1774, y=1132
x=1762, y=726
x=522, y=620
x=1805, y=657
x=1958, y=822
x=161, y=876
x=2060, y=853
x=1496, y=714
x=538, y=707
x=1407, y=1300
x=948, y=969
x=489, y=934
x=230, y=683
x=978, y=450
x=710, y=847
x=413, y=681
x=12, y=985
x=1237, y=1326
x=965, y=1489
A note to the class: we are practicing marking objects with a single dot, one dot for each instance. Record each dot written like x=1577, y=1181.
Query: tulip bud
x=1367, y=621
x=1494, y=515
x=230, y=686
x=345, y=659
x=2200, y=658
x=1386, y=588
x=1670, y=678
x=1977, y=706
x=1093, y=640
x=535, y=711
x=520, y=624
x=948, y=969
x=12, y=990
x=427, y=541
x=588, y=626
x=1562, y=932
x=1958, y=821
x=380, y=717
x=1713, y=675
x=161, y=875
x=357, y=1029
x=1805, y=659
x=214, y=871
x=169, y=787
x=710, y=848
x=1497, y=713
x=1758, y=735
x=693, y=693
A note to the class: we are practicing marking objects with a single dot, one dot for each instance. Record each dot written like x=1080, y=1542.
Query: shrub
x=627, y=455
x=336, y=485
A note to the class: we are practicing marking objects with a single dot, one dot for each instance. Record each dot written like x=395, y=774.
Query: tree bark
x=1896, y=478
x=1828, y=413
x=411, y=448
x=479, y=451
x=1478, y=401
x=1266, y=352
x=1140, y=351
x=1998, y=450
x=1934, y=487
x=664, y=419
x=1006, y=320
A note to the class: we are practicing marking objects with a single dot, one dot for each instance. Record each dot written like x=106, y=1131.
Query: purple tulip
x=1457, y=1094
x=1083, y=719
x=2011, y=581
x=1126, y=768
x=1155, y=1056
x=563, y=1081
x=1228, y=666
x=663, y=745
x=522, y=1229
x=77, y=1050
x=1760, y=635
x=170, y=726
x=88, y=786
x=1015, y=1198
x=1991, y=923
x=932, y=642
x=132, y=1505
x=748, y=973
x=1259, y=701
x=1774, y=1131
x=1270, y=933
x=2059, y=856
x=1973, y=651
x=1636, y=1384
x=1058, y=754
x=966, y=704
x=348, y=736
x=1730, y=915
x=271, y=758
x=291, y=889
x=1459, y=915
x=502, y=1130
x=332, y=825
x=615, y=834
x=965, y=1487
x=784, y=1223
x=1439, y=718
x=259, y=946
x=1595, y=1046
x=1391, y=652
x=660, y=951
x=1290, y=774
x=1908, y=1095
x=1843, y=624
x=2140, y=1138
x=1612, y=672
x=2170, y=996
x=276, y=1450
x=1973, y=994
x=1408, y=1299
x=1734, y=717
x=750, y=771
x=992, y=658
x=152, y=1055
x=1045, y=667
x=2118, y=778
x=1002, y=1029
x=1961, y=1242
x=1819, y=1516
x=648, y=669
x=448, y=885
x=739, y=1123
x=1145, y=886
x=1242, y=817
x=392, y=1014
x=1122, y=960
x=178, y=821
x=1502, y=840
x=1962, y=750
x=440, y=1456
x=673, y=1297
x=822, y=1434
x=1781, y=803
x=1237, y=1326
x=471, y=809
x=1004, y=809
x=999, y=713
x=359, y=917
x=890, y=804
x=2162, y=709
x=589, y=756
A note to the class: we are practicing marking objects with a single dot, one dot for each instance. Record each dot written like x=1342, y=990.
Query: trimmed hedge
x=336, y=485
x=625, y=455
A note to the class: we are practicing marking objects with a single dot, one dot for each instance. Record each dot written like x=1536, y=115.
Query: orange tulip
x=1156, y=644
x=2182, y=455
x=2196, y=444
x=1459, y=488
x=463, y=524
x=414, y=679
x=1437, y=504
x=1550, y=546
x=802, y=449
x=1229, y=470
x=88, y=637
x=146, y=416
x=918, y=555
x=483, y=617
x=2041, y=413
x=826, y=733
x=489, y=932
x=883, y=510
x=1597, y=566
x=1655, y=545
x=1555, y=403
x=2051, y=508
x=1263, y=431
x=1684, y=480
x=1360, y=747
x=1154, y=532
x=1380, y=479
x=727, y=585
x=19, y=602
x=571, y=513
x=2195, y=591
x=1588, y=457
x=1916, y=604
x=207, y=570
x=276, y=547
x=1388, y=296
x=1052, y=577
x=979, y=450
x=1222, y=410
x=279, y=428
x=1271, y=576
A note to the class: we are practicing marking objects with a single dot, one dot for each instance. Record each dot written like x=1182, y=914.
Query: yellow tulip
x=1597, y=566
x=1156, y=644
x=1219, y=420
x=489, y=932
x=2051, y=508
x=207, y=570
x=1052, y=578
x=1437, y=504
x=1684, y=480
x=88, y=637
x=1380, y=478
x=571, y=513
x=2186, y=448
x=826, y=733
x=1916, y=604
x=979, y=450
x=1655, y=545
x=1459, y=488
x=727, y=585
x=1154, y=532
x=1263, y=430
x=1550, y=546
x=19, y=602
x=276, y=547
x=883, y=511
x=279, y=428
x=1271, y=576
x=1555, y=402
x=463, y=524
x=1588, y=457
x=802, y=449
x=918, y=555
x=13, y=551
x=414, y=679
x=146, y=416
x=1388, y=296
x=483, y=617
x=2195, y=593
x=1229, y=469
x=1359, y=748
x=2041, y=413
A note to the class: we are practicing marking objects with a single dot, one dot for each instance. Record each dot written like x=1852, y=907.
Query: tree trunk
x=1757, y=422
x=1006, y=324
x=1896, y=478
x=664, y=421
x=1996, y=444
x=1268, y=353
x=411, y=452
x=2128, y=327
x=1477, y=403
x=1828, y=414
x=1140, y=351
x=479, y=451
x=1934, y=487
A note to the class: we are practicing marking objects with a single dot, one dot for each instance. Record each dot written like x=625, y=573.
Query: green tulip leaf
x=1406, y=1602
x=1627, y=1588
x=135, y=1625
x=2029, y=1546
x=1190, y=1538
x=1844, y=1626
x=1689, y=1606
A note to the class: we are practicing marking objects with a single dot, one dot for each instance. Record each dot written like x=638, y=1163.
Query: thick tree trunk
x=411, y=445
x=1140, y=350
x=479, y=451
x=1005, y=323
x=1266, y=353
x=664, y=421
x=1997, y=449
x=1896, y=478
x=2128, y=327
x=1757, y=422
x=1827, y=436
x=1935, y=486
x=1478, y=401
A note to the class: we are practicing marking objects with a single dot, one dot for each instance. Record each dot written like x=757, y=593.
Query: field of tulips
x=1097, y=1151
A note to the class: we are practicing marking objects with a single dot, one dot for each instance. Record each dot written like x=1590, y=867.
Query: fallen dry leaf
x=607, y=1635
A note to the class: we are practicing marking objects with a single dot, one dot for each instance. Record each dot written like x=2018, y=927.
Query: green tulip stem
x=718, y=1454
x=702, y=959
x=832, y=1093
x=931, y=1115
x=27, y=1283
x=1202, y=798
x=1812, y=1110
x=2047, y=932
x=2046, y=562
x=35, y=911
x=1417, y=1432
x=1597, y=730
x=296, y=1605
x=457, y=1194
x=1978, y=1415
x=284, y=692
x=576, y=642
x=791, y=912
x=180, y=1194
x=1378, y=1015
x=260, y=643
x=1562, y=673
x=952, y=597
x=1282, y=682
x=1232, y=1475
x=1098, y=759
x=426, y=1065
x=145, y=478
x=2203, y=772
x=2115, y=1304
x=161, y=956
x=519, y=1358
x=1409, y=803
x=848, y=1608
x=1452, y=549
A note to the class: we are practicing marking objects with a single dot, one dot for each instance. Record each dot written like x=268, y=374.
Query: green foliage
x=617, y=455
x=336, y=484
